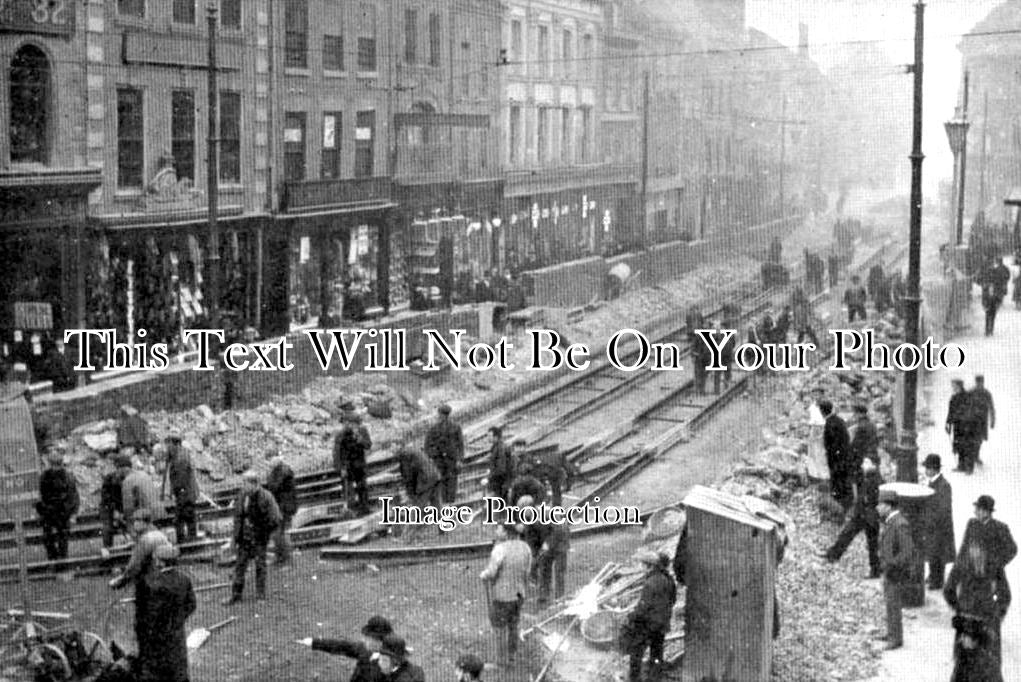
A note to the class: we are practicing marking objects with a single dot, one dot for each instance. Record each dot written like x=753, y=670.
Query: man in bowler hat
x=939, y=522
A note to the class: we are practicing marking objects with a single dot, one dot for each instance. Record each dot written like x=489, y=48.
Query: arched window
x=30, y=92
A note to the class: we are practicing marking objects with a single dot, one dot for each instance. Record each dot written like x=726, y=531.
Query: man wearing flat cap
x=171, y=600
x=468, y=668
x=649, y=622
x=256, y=516
x=141, y=565
x=363, y=653
x=184, y=485
x=973, y=657
x=444, y=445
x=351, y=448
x=895, y=553
x=393, y=661
x=501, y=466
x=506, y=578
x=938, y=522
x=111, y=497
x=58, y=502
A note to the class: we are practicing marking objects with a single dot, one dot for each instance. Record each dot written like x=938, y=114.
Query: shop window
x=130, y=138
x=365, y=124
x=294, y=145
x=230, y=14
x=296, y=34
x=410, y=35
x=331, y=144
x=184, y=11
x=182, y=133
x=333, y=53
x=230, y=136
x=434, y=39
x=131, y=8
x=30, y=105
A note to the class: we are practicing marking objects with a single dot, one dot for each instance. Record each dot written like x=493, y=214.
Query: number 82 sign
x=37, y=16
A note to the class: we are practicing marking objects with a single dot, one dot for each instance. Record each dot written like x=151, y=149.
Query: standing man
x=140, y=566
x=985, y=411
x=649, y=621
x=855, y=297
x=552, y=560
x=992, y=535
x=111, y=500
x=58, y=502
x=864, y=442
x=256, y=516
x=865, y=517
x=557, y=471
x=836, y=442
x=170, y=601
x=184, y=486
x=350, y=450
x=363, y=653
x=280, y=484
x=939, y=522
x=700, y=353
x=506, y=578
x=991, y=301
x=895, y=553
x=964, y=426
x=501, y=465
x=444, y=445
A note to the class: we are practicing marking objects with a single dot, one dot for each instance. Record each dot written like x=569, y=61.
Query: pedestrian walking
x=648, y=623
x=111, y=500
x=350, y=450
x=855, y=297
x=163, y=654
x=139, y=492
x=444, y=445
x=992, y=535
x=836, y=443
x=140, y=566
x=972, y=591
x=256, y=516
x=280, y=484
x=991, y=305
x=468, y=668
x=363, y=653
x=501, y=465
x=964, y=425
x=58, y=503
x=973, y=657
x=393, y=661
x=985, y=412
x=506, y=576
x=864, y=518
x=184, y=486
x=939, y=522
x=895, y=553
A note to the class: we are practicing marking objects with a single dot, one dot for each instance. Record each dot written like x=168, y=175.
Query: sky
x=891, y=24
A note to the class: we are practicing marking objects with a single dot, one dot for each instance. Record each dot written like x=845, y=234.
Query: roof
x=747, y=510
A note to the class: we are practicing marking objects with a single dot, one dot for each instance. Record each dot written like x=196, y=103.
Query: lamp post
x=957, y=134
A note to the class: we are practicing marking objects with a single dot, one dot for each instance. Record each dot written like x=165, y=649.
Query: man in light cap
x=444, y=445
x=649, y=621
x=58, y=502
x=895, y=553
x=171, y=600
x=364, y=653
x=256, y=516
x=506, y=580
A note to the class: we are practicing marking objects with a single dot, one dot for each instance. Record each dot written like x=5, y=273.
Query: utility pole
x=964, y=164
x=212, y=172
x=783, y=157
x=643, y=207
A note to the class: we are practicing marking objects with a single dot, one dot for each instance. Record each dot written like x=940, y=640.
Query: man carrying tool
x=506, y=581
x=256, y=516
x=350, y=449
x=58, y=502
x=184, y=486
x=170, y=601
x=140, y=566
x=363, y=653
x=280, y=484
x=444, y=445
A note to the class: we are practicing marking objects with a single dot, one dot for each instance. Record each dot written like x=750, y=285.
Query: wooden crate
x=730, y=600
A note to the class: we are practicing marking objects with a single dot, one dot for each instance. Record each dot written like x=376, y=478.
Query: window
x=587, y=55
x=333, y=53
x=230, y=136
x=517, y=43
x=131, y=8
x=434, y=39
x=130, y=138
x=568, y=55
x=514, y=143
x=184, y=11
x=585, y=141
x=29, y=115
x=365, y=124
x=182, y=133
x=331, y=144
x=565, y=135
x=294, y=145
x=230, y=14
x=366, y=54
x=542, y=46
x=296, y=34
x=410, y=35
x=367, y=37
x=542, y=135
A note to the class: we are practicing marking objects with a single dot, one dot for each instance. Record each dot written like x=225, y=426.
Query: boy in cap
x=649, y=621
x=58, y=502
x=364, y=653
x=468, y=668
x=895, y=552
x=256, y=516
x=163, y=655
x=393, y=661
x=444, y=445
x=939, y=522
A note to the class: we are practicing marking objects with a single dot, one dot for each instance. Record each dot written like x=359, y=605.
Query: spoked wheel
x=96, y=650
x=49, y=663
x=20, y=642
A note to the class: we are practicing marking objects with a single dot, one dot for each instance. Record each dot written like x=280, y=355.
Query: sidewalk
x=927, y=654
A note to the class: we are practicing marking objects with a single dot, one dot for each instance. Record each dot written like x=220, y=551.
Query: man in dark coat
x=964, y=426
x=363, y=653
x=526, y=484
x=444, y=445
x=864, y=441
x=974, y=660
x=700, y=353
x=971, y=590
x=280, y=484
x=991, y=301
x=649, y=622
x=864, y=517
x=111, y=500
x=393, y=661
x=58, y=502
x=939, y=522
x=185, y=487
x=836, y=443
x=985, y=411
x=256, y=516
x=501, y=465
x=551, y=560
x=895, y=554
x=350, y=449
x=855, y=297
x=140, y=567
x=163, y=656
x=420, y=477
x=553, y=468
x=992, y=535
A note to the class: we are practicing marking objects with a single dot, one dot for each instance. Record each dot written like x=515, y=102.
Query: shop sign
x=33, y=315
x=37, y=16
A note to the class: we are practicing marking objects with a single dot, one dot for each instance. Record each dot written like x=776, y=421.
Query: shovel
x=199, y=636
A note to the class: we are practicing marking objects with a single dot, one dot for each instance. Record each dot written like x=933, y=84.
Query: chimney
x=803, y=40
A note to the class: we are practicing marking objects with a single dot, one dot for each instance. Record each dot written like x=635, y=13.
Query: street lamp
x=957, y=134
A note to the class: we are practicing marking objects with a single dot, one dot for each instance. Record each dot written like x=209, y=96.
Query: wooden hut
x=733, y=546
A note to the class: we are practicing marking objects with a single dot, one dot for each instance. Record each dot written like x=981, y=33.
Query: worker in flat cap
x=864, y=442
x=256, y=516
x=169, y=603
x=649, y=622
x=895, y=554
x=393, y=661
x=506, y=580
x=58, y=503
x=184, y=485
x=364, y=653
x=501, y=465
x=444, y=445
x=938, y=522
x=111, y=498
x=351, y=448
x=468, y=668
